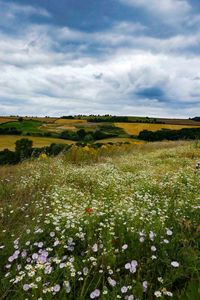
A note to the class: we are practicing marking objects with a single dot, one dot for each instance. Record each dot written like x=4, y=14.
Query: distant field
x=24, y=126
x=6, y=119
x=63, y=124
x=8, y=141
x=41, y=119
x=69, y=121
x=135, y=128
x=180, y=122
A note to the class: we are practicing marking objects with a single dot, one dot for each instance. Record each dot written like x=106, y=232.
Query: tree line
x=169, y=134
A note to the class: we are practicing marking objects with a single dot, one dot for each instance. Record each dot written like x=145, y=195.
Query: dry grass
x=135, y=128
x=68, y=121
x=8, y=141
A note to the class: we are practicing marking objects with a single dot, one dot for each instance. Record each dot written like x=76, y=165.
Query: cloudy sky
x=124, y=57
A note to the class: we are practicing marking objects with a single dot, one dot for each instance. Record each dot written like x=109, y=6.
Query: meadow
x=119, y=222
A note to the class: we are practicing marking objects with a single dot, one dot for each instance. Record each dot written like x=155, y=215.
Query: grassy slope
x=148, y=190
x=25, y=126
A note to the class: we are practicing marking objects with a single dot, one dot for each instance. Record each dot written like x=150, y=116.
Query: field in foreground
x=126, y=227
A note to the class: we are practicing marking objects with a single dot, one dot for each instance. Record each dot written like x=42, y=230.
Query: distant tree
x=81, y=133
x=196, y=119
x=20, y=119
x=69, y=135
x=23, y=148
x=88, y=137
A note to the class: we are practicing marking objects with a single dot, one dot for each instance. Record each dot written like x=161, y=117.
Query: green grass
x=25, y=126
x=95, y=218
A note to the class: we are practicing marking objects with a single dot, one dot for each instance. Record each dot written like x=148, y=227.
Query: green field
x=25, y=126
x=119, y=225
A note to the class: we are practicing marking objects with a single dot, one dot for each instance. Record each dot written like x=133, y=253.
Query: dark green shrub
x=8, y=157
x=23, y=148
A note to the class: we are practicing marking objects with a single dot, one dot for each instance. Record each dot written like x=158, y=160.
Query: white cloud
x=53, y=70
x=58, y=84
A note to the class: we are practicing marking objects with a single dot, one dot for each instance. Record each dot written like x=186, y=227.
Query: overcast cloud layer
x=125, y=57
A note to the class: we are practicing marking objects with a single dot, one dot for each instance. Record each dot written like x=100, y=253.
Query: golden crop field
x=8, y=141
x=135, y=128
x=7, y=119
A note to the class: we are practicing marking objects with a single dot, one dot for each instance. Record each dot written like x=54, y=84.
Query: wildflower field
x=117, y=225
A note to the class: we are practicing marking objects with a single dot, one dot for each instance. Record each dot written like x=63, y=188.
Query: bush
x=89, y=137
x=8, y=157
x=69, y=135
x=23, y=148
x=10, y=131
x=55, y=149
x=81, y=134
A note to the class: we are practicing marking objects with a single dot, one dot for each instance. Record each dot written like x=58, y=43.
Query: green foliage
x=23, y=148
x=69, y=135
x=10, y=131
x=24, y=126
x=81, y=134
x=8, y=157
x=88, y=137
x=197, y=119
x=167, y=134
x=105, y=131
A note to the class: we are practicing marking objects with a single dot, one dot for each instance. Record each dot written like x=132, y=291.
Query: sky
x=119, y=57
